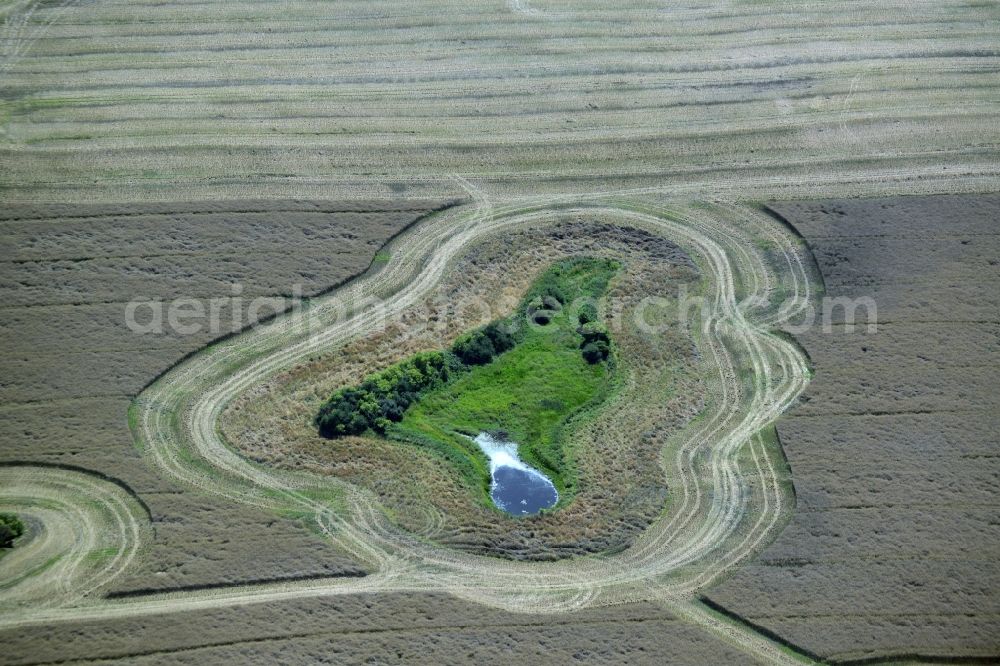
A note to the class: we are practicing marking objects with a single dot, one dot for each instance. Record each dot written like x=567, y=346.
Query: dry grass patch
x=614, y=450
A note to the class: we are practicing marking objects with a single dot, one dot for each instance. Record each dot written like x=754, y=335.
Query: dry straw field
x=173, y=149
x=117, y=101
x=894, y=542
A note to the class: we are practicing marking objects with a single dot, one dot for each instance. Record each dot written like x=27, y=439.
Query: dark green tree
x=11, y=527
x=382, y=398
x=474, y=348
x=595, y=352
x=587, y=313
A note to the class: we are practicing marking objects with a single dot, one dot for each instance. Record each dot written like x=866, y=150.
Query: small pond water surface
x=515, y=487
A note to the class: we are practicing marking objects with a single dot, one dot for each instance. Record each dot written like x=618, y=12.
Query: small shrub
x=502, y=339
x=550, y=287
x=11, y=527
x=474, y=348
x=482, y=346
x=595, y=352
x=593, y=332
x=554, y=292
x=596, y=344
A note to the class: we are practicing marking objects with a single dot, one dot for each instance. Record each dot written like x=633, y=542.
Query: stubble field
x=160, y=150
x=186, y=101
x=72, y=364
x=894, y=543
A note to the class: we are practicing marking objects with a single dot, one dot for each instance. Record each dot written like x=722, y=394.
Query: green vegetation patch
x=11, y=527
x=527, y=375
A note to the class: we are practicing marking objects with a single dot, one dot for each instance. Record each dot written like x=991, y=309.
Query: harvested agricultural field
x=727, y=434
x=375, y=179
x=72, y=365
x=392, y=628
x=169, y=101
x=894, y=545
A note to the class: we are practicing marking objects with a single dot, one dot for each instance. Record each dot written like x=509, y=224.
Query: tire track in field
x=83, y=531
x=715, y=521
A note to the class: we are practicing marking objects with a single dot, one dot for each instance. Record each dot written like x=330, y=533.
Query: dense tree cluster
x=11, y=527
x=382, y=398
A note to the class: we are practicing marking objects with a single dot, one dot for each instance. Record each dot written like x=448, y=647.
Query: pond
x=517, y=488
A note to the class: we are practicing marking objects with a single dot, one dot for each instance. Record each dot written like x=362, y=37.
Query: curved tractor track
x=726, y=501
x=83, y=531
